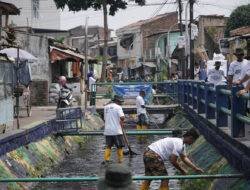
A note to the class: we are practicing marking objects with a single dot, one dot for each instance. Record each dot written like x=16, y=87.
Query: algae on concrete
x=208, y=158
x=38, y=158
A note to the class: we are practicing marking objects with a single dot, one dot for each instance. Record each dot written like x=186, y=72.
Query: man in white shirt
x=114, y=120
x=168, y=149
x=141, y=112
x=236, y=67
x=216, y=75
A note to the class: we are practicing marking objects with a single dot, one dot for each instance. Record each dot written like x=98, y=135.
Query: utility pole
x=180, y=15
x=181, y=60
x=105, y=48
x=86, y=63
x=191, y=13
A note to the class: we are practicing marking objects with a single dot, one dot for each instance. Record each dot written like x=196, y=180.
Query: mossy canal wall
x=208, y=158
x=37, y=158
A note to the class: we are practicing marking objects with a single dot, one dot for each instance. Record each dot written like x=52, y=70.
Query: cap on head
x=142, y=92
x=117, y=176
x=239, y=51
x=118, y=98
x=217, y=63
x=193, y=133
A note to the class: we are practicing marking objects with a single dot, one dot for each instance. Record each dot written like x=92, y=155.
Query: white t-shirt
x=140, y=102
x=168, y=146
x=235, y=69
x=92, y=81
x=215, y=76
x=112, y=115
x=245, y=71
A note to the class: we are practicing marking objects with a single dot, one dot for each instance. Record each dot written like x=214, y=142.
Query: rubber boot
x=107, y=154
x=145, y=185
x=120, y=155
x=139, y=127
x=164, y=187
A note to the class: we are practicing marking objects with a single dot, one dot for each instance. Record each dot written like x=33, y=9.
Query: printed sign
x=132, y=91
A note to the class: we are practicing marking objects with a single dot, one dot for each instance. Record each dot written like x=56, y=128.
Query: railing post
x=184, y=92
x=200, y=95
x=194, y=94
x=189, y=99
x=237, y=107
x=209, y=98
x=179, y=90
x=221, y=101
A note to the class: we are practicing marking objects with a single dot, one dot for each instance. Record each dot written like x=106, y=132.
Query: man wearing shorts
x=141, y=113
x=114, y=119
x=168, y=149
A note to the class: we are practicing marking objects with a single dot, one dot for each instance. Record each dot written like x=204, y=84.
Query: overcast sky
x=135, y=13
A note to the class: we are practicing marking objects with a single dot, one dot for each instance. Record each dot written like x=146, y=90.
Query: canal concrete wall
x=208, y=158
x=36, y=158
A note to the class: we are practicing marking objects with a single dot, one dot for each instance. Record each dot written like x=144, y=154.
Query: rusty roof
x=142, y=22
x=8, y=9
x=240, y=31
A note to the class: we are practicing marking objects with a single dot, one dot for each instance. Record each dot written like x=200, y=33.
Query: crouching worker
x=114, y=120
x=168, y=148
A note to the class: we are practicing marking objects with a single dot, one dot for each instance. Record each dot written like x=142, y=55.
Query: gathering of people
x=237, y=71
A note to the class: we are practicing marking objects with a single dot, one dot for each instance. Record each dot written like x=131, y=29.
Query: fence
x=105, y=90
x=216, y=104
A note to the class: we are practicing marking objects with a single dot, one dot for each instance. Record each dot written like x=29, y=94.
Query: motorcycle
x=65, y=98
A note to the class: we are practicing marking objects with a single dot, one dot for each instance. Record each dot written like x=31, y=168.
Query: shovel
x=129, y=152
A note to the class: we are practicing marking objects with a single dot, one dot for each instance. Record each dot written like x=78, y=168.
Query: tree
x=112, y=5
x=239, y=17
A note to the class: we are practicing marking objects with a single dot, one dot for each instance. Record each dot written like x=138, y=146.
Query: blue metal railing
x=219, y=105
x=216, y=104
x=168, y=88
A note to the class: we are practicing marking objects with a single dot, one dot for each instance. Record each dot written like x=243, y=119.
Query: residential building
x=137, y=43
x=211, y=29
x=36, y=14
x=95, y=37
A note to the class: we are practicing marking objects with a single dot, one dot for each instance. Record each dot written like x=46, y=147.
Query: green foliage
x=239, y=17
x=78, y=5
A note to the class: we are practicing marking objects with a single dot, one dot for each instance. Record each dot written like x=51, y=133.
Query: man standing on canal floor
x=114, y=121
x=141, y=112
x=168, y=148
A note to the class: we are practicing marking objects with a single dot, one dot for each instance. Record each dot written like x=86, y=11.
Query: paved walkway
x=38, y=115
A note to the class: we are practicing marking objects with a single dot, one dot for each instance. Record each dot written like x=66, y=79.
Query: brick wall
x=39, y=93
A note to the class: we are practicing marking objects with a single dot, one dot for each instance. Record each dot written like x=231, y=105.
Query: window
x=35, y=8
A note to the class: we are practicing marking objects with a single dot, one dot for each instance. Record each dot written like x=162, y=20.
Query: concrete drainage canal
x=74, y=156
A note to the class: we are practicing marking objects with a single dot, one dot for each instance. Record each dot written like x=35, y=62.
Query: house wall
x=48, y=16
x=77, y=37
x=211, y=29
x=40, y=69
x=161, y=24
x=135, y=53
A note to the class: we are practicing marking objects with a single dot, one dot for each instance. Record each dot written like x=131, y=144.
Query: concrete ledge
x=237, y=154
x=18, y=138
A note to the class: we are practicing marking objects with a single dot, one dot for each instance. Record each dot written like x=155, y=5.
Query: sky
x=136, y=13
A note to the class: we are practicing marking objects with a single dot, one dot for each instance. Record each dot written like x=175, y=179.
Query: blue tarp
x=132, y=91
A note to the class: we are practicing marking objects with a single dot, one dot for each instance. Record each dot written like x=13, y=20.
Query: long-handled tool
x=130, y=152
x=153, y=121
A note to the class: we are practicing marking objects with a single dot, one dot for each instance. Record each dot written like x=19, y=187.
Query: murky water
x=87, y=162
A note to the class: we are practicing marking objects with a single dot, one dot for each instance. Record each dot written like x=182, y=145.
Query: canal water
x=87, y=162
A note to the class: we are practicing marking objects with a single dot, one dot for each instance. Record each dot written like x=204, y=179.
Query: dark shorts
x=142, y=119
x=116, y=140
x=154, y=165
